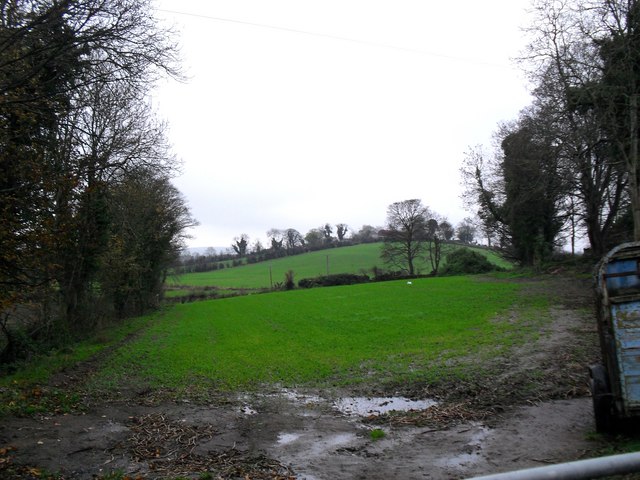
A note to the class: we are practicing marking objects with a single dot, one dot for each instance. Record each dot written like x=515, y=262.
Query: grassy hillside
x=353, y=259
x=368, y=332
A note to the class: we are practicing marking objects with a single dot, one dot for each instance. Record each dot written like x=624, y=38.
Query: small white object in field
x=409, y=283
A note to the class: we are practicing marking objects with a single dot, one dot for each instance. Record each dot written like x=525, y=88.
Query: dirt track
x=477, y=429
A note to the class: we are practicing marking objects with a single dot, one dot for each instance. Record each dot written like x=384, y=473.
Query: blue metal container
x=616, y=383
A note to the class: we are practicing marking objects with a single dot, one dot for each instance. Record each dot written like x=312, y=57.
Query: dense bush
x=333, y=280
x=384, y=275
x=466, y=261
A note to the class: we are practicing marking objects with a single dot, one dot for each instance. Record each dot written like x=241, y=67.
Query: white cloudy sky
x=298, y=112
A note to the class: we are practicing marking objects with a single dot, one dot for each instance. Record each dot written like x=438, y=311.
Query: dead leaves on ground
x=169, y=449
x=10, y=470
x=440, y=416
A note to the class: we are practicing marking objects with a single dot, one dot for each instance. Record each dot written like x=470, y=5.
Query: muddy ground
x=534, y=411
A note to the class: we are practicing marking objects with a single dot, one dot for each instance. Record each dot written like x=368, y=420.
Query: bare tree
x=405, y=234
x=447, y=230
x=583, y=55
x=257, y=246
x=466, y=231
x=292, y=240
x=434, y=247
x=484, y=192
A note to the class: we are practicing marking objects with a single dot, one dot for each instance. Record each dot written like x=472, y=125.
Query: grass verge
x=23, y=392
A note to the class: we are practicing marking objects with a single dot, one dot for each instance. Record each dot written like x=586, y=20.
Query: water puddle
x=480, y=436
x=247, y=410
x=316, y=444
x=471, y=454
x=352, y=406
x=286, y=438
x=460, y=461
x=301, y=398
x=329, y=443
x=367, y=406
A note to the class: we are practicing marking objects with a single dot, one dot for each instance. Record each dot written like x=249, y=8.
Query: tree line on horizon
x=569, y=165
x=286, y=242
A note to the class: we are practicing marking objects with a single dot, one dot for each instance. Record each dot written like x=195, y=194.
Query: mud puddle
x=368, y=406
x=322, y=439
x=304, y=433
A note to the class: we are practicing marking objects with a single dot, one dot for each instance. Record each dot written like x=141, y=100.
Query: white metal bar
x=578, y=470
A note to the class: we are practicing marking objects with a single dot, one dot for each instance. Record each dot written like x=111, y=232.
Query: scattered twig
x=168, y=448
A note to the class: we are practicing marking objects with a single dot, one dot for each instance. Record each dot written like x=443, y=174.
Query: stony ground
x=535, y=410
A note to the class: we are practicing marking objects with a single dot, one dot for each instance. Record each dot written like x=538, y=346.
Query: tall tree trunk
x=634, y=167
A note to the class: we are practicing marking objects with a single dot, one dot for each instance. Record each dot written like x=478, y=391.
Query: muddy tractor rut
x=535, y=412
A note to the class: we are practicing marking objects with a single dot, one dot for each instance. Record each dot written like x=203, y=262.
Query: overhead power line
x=336, y=37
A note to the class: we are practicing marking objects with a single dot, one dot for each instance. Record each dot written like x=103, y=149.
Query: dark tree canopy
x=520, y=191
x=341, y=231
x=149, y=218
x=241, y=244
x=327, y=231
x=533, y=190
x=314, y=238
x=578, y=142
x=76, y=133
x=367, y=234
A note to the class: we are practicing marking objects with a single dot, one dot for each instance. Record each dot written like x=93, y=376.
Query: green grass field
x=343, y=335
x=353, y=259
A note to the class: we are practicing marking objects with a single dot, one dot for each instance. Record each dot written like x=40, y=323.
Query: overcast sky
x=297, y=113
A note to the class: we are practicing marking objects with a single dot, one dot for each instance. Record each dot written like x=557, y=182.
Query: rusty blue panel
x=621, y=275
x=629, y=341
x=626, y=315
x=626, y=329
x=632, y=391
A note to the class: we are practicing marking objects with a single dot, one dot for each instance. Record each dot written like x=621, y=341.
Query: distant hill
x=352, y=259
